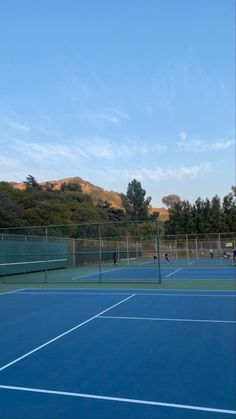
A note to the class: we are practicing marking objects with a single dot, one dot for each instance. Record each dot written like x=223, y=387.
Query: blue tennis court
x=117, y=354
x=150, y=273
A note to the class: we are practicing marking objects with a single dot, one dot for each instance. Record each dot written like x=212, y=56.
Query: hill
x=96, y=192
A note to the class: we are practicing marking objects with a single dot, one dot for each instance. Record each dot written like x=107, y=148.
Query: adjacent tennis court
x=47, y=255
x=121, y=353
x=142, y=269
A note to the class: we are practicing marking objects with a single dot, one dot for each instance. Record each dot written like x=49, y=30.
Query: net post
x=159, y=281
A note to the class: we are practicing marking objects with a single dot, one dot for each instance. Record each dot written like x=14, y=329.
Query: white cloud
x=18, y=126
x=73, y=149
x=48, y=131
x=183, y=135
x=111, y=116
x=160, y=173
x=214, y=145
x=99, y=148
x=194, y=145
x=44, y=152
x=107, y=148
x=11, y=169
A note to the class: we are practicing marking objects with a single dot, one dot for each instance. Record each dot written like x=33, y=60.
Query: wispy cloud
x=44, y=153
x=160, y=173
x=11, y=169
x=187, y=144
x=18, y=126
x=47, y=131
x=110, y=116
x=99, y=148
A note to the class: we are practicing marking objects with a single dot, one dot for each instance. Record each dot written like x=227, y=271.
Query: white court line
x=96, y=273
x=12, y=292
x=34, y=261
x=167, y=319
x=187, y=295
x=63, y=334
x=120, y=399
x=152, y=291
x=109, y=270
x=154, y=294
x=73, y=293
x=177, y=270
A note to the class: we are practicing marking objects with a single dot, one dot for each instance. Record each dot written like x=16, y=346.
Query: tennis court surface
x=115, y=353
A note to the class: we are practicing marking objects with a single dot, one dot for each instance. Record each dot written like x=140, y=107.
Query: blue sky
x=112, y=90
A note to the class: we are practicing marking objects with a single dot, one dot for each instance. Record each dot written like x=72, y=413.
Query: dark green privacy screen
x=31, y=254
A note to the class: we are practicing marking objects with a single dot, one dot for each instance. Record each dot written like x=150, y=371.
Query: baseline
x=120, y=399
x=122, y=291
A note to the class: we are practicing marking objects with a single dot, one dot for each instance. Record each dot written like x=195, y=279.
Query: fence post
x=127, y=249
x=46, y=254
x=219, y=244
x=197, y=257
x=187, y=249
x=73, y=252
x=100, y=253
x=158, y=253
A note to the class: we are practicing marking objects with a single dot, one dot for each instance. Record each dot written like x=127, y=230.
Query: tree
x=171, y=200
x=154, y=216
x=209, y=216
x=134, y=202
x=229, y=212
x=216, y=214
x=71, y=187
x=174, y=224
x=48, y=186
x=31, y=183
x=233, y=189
x=107, y=212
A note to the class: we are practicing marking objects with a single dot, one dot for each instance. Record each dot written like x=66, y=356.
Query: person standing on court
x=114, y=257
x=211, y=253
x=234, y=255
x=167, y=257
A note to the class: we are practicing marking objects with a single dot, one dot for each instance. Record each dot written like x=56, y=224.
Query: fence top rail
x=33, y=236
x=81, y=224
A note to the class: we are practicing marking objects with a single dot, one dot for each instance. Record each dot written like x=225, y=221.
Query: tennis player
x=114, y=258
x=167, y=257
x=234, y=255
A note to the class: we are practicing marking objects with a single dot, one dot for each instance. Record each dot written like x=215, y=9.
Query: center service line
x=177, y=270
x=63, y=334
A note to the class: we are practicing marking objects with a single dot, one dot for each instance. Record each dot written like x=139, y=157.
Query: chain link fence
x=104, y=252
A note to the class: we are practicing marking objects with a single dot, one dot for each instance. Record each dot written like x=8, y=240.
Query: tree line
x=44, y=205
x=204, y=216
